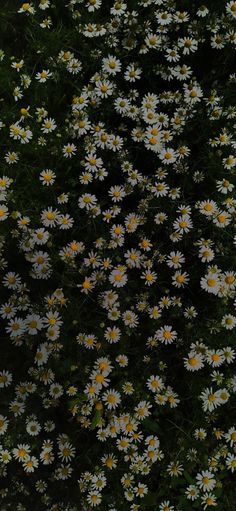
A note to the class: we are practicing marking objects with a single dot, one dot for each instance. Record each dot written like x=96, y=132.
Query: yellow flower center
x=50, y=216
x=99, y=378
x=221, y=218
x=211, y=398
x=22, y=453
x=109, y=462
x=86, y=284
x=33, y=324
x=192, y=361
x=111, y=399
x=152, y=40
x=211, y=282
x=180, y=279
x=230, y=279
x=210, y=501
x=66, y=452
x=15, y=327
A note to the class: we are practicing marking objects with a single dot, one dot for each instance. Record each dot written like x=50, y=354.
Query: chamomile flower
x=3, y=424
x=48, y=125
x=111, y=399
x=43, y=76
x=111, y=65
x=166, y=334
x=27, y=8
x=210, y=399
x=30, y=463
x=69, y=150
x=194, y=361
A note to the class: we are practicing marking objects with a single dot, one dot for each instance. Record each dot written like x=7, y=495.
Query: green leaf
x=149, y=500
x=188, y=477
x=151, y=425
x=95, y=420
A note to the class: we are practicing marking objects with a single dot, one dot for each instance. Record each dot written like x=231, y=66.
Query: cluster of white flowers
x=117, y=215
